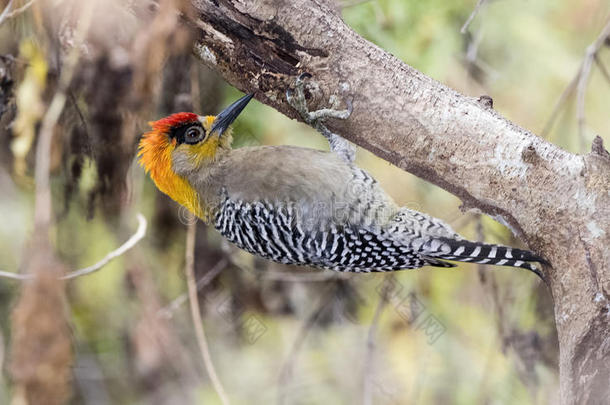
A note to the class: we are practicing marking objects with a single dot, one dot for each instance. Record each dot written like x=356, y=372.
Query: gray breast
x=325, y=188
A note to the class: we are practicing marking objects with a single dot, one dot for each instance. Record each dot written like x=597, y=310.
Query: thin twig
x=6, y=11
x=472, y=49
x=196, y=313
x=83, y=121
x=288, y=366
x=368, y=368
x=602, y=67
x=19, y=10
x=581, y=91
x=42, y=210
x=594, y=48
x=472, y=15
x=42, y=204
x=130, y=243
x=15, y=276
x=579, y=82
x=168, y=310
x=585, y=72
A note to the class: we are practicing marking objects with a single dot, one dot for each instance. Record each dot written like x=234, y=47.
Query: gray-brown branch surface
x=557, y=202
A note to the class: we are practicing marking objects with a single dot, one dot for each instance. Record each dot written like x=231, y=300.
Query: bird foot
x=298, y=101
x=316, y=118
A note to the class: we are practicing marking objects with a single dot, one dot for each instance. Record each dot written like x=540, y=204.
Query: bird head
x=185, y=142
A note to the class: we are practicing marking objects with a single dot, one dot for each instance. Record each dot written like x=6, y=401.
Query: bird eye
x=194, y=135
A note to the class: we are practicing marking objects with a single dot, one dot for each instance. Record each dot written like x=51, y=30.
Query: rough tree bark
x=557, y=202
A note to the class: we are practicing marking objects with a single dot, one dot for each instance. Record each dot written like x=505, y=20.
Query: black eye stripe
x=182, y=135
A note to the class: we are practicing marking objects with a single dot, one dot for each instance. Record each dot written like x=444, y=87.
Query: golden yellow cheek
x=203, y=151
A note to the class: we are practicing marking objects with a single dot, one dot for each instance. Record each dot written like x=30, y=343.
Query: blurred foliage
x=29, y=104
x=461, y=336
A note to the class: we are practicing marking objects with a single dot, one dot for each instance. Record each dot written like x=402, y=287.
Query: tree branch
x=168, y=310
x=16, y=12
x=196, y=313
x=543, y=193
x=369, y=357
x=6, y=12
x=129, y=243
x=579, y=83
x=475, y=11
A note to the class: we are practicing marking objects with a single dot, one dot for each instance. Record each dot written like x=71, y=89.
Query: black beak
x=229, y=114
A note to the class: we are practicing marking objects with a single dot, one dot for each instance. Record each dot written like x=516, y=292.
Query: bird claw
x=316, y=118
x=298, y=101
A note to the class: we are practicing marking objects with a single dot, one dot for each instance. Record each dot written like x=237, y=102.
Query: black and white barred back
x=409, y=240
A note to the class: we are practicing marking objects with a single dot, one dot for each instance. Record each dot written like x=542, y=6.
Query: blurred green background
x=300, y=336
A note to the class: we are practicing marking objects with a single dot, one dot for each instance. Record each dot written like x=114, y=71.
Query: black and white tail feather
x=435, y=241
x=462, y=250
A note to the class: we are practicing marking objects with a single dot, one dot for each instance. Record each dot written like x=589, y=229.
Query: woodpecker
x=301, y=206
